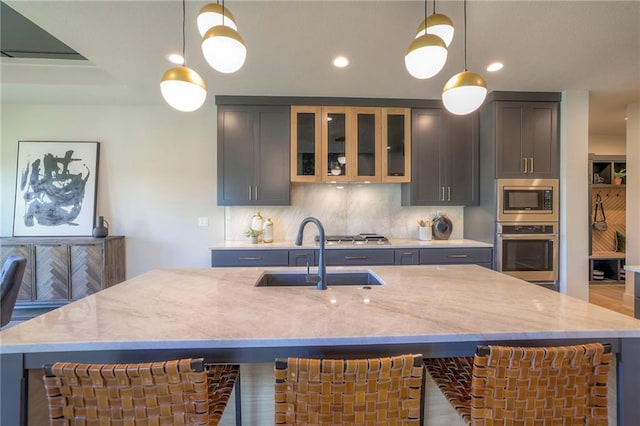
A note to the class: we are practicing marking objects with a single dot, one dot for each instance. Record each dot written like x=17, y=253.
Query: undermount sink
x=334, y=278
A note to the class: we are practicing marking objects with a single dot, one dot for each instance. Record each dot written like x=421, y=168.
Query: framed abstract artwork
x=56, y=186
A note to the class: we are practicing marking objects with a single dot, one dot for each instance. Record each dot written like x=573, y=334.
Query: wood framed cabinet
x=350, y=144
x=63, y=269
x=253, y=155
x=444, y=159
x=526, y=139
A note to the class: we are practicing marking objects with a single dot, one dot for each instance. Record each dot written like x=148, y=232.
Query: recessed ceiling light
x=341, y=61
x=496, y=66
x=176, y=58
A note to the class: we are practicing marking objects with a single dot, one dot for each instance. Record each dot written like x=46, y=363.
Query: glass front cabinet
x=350, y=144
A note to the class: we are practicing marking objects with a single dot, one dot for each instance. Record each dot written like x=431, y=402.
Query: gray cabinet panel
x=444, y=159
x=222, y=258
x=253, y=155
x=407, y=256
x=302, y=257
x=345, y=257
x=527, y=139
x=455, y=255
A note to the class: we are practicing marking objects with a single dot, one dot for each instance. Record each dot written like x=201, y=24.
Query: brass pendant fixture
x=181, y=87
x=223, y=47
x=465, y=91
x=211, y=14
x=426, y=55
x=438, y=24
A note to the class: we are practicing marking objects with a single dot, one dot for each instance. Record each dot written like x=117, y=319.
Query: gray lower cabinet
x=302, y=257
x=265, y=257
x=253, y=155
x=60, y=270
x=407, y=256
x=346, y=257
x=473, y=255
x=444, y=159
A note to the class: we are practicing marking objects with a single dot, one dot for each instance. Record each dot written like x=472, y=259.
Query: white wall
x=607, y=145
x=157, y=175
x=574, y=196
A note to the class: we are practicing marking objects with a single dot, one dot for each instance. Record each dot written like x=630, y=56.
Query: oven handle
x=526, y=236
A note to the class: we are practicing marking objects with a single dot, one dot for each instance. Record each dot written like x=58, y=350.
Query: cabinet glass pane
x=336, y=144
x=395, y=145
x=366, y=144
x=306, y=155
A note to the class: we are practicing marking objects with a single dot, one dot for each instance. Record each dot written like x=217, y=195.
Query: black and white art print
x=55, y=188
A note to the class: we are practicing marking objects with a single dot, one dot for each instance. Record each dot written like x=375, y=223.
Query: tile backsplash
x=352, y=209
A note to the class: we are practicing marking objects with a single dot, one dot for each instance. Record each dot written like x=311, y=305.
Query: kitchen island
x=219, y=314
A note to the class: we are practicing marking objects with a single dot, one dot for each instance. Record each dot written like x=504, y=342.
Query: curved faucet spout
x=322, y=268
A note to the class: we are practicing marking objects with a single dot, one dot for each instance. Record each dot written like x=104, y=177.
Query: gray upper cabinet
x=444, y=159
x=526, y=139
x=253, y=155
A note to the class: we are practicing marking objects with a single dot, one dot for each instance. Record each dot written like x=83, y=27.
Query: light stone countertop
x=632, y=268
x=221, y=307
x=395, y=243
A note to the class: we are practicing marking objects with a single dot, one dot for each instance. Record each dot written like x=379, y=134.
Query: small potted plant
x=254, y=234
x=618, y=176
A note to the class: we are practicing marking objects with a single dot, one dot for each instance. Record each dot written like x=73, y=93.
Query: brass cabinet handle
x=524, y=161
x=442, y=193
x=531, y=168
x=355, y=257
x=302, y=254
x=249, y=258
x=249, y=187
x=256, y=188
x=448, y=193
x=407, y=254
x=457, y=256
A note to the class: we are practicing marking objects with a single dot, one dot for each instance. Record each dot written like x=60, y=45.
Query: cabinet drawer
x=302, y=257
x=452, y=255
x=407, y=256
x=344, y=257
x=249, y=258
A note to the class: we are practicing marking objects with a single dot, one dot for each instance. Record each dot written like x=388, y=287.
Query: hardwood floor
x=609, y=296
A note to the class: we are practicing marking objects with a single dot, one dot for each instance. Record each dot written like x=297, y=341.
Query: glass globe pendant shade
x=183, y=89
x=425, y=56
x=211, y=15
x=439, y=25
x=224, y=49
x=464, y=93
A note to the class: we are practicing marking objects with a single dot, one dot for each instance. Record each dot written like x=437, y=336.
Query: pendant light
x=438, y=24
x=181, y=87
x=223, y=47
x=211, y=15
x=426, y=55
x=465, y=91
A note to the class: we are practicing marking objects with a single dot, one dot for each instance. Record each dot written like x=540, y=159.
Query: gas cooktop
x=360, y=239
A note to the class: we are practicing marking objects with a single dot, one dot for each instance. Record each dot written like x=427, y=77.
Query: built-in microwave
x=527, y=200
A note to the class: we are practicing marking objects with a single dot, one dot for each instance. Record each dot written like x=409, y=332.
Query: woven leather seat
x=514, y=385
x=179, y=392
x=377, y=391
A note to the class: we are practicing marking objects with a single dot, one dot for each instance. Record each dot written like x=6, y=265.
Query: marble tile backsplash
x=354, y=209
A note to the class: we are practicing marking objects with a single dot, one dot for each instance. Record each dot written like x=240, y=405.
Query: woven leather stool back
x=180, y=392
x=376, y=391
x=514, y=385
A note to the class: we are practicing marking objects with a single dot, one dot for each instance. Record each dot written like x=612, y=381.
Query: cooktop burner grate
x=360, y=239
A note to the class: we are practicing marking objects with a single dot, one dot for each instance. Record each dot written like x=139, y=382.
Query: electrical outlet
x=203, y=221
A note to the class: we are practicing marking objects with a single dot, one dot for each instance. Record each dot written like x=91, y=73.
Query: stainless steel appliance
x=360, y=239
x=528, y=200
x=528, y=251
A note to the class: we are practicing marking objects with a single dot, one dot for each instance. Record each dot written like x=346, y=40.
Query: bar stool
x=356, y=391
x=518, y=385
x=177, y=392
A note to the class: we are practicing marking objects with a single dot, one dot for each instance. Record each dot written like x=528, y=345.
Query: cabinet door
x=223, y=258
x=271, y=185
x=510, y=128
x=345, y=257
x=52, y=272
x=462, y=160
x=87, y=265
x=542, y=141
x=365, y=147
x=235, y=155
x=396, y=145
x=306, y=135
x=479, y=255
x=302, y=257
x=25, y=250
x=337, y=161
x=428, y=130
x=407, y=256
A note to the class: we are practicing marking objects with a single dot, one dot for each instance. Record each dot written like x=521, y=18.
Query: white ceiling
x=545, y=45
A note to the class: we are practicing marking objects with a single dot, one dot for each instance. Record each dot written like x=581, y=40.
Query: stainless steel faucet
x=322, y=268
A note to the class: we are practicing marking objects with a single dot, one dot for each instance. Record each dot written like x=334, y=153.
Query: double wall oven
x=527, y=229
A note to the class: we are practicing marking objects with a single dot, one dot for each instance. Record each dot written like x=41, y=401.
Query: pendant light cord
x=434, y=7
x=465, y=35
x=425, y=16
x=222, y=12
x=184, y=58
